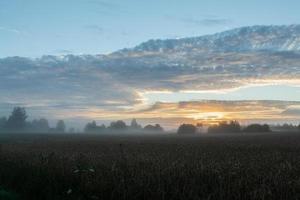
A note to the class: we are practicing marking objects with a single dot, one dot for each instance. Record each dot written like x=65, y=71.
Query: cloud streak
x=95, y=28
x=106, y=7
x=214, y=111
x=10, y=30
x=207, y=21
x=116, y=83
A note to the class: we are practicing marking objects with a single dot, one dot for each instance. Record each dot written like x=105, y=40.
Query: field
x=150, y=167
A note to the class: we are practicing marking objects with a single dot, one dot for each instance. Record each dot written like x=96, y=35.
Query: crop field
x=149, y=167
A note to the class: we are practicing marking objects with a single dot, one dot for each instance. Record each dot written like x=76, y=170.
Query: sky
x=33, y=28
x=78, y=92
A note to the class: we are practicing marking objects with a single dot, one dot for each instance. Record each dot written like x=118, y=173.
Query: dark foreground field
x=151, y=167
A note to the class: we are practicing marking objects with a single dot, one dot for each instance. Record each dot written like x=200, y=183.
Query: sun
x=209, y=116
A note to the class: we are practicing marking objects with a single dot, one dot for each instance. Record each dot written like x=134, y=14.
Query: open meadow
x=74, y=166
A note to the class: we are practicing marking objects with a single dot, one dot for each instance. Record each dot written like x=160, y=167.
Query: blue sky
x=33, y=28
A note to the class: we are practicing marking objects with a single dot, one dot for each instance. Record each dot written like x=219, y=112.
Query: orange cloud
x=208, y=111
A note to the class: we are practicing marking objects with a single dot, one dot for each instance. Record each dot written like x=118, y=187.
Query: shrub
x=118, y=125
x=153, y=128
x=186, y=129
x=224, y=127
x=257, y=128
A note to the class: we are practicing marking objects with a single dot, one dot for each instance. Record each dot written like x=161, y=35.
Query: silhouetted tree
x=159, y=128
x=134, y=125
x=3, y=122
x=200, y=128
x=60, y=126
x=234, y=126
x=299, y=127
x=266, y=128
x=186, y=129
x=102, y=127
x=118, y=125
x=90, y=127
x=93, y=128
x=40, y=125
x=285, y=127
x=225, y=127
x=200, y=125
x=71, y=130
x=257, y=128
x=153, y=128
x=288, y=127
x=17, y=119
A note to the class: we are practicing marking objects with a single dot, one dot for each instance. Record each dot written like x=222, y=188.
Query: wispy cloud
x=293, y=110
x=211, y=110
x=11, y=30
x=205, y=21
x=63, y=51
x=106, y=7
x=95, y=28
x=103, y=4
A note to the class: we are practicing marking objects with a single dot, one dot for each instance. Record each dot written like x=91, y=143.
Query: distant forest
x=17, y=122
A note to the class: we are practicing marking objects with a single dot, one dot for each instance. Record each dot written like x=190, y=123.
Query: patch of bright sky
x=269, y=92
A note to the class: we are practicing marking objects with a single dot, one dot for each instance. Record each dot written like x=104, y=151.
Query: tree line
x=121, y=126
x=225, y=127
x=17, y=122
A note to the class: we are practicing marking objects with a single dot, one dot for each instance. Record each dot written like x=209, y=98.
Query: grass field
x=150, y=167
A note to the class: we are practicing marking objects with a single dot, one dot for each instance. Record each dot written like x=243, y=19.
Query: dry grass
x=157, y=167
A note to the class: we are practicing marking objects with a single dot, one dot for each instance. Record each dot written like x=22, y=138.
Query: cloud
x=213, y=71
x=95, y=28
x=11, y=30
x=63, y=51
x=112, y=86
x=116, y=82
x=211, y=110
x=203, y=21
x=105, y=7
x=103, y=4
x=207, y=21
x=61, y=83
x=293, y=111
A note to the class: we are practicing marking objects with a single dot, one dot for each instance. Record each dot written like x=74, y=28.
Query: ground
x=73, y=166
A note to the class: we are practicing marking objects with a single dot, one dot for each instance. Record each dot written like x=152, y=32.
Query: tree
x=90, y=127
x=60, y=126
x=225, y=127
x=71, y=130
x=234, y=126
x=153, y=128
x=17, y=119
x=299, y=127
x=158, y=128
x=134, y=125
x=199, y=125
x=186, y=129
x=257, y=128
x=119, y=125
x=40, y=125
x=3, y=122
